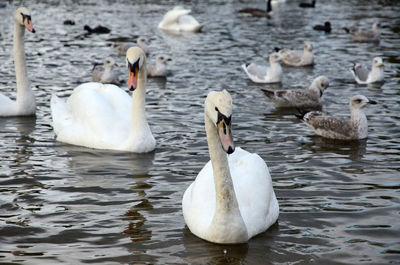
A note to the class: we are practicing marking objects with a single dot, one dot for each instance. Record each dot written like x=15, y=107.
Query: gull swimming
x=363, y=75
x=360, y=35
x=105, y=74
x=297, y=57
x=334, y=128
x=264, y=74
x=310, y=98
x=159, y=69
x=141, y=42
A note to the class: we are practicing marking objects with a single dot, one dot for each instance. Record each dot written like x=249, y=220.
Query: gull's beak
x=133, y=70
x=373, y=102
x=382, y=64
x=28, y=25
x=225, y=135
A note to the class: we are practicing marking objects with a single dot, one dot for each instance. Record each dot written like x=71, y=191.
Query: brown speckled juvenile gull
x=334, y=128
x=310, y=98
x=360, y=35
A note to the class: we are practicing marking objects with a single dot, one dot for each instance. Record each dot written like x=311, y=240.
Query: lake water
x=339, y=201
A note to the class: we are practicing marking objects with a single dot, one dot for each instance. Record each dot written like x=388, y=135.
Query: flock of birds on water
x=232, y=198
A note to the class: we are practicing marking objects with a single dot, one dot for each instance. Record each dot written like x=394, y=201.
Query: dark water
x=339, y=202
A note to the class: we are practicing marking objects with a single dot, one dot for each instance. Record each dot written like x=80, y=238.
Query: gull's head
x=136, y=63
x=307, y=46
x=218, y=108
x=109, y=62
x=275, y=57
x=162, y=59
x=23, y=17
x=360, y=101
x=377, y=62
x=320, y=83
x=143, y=41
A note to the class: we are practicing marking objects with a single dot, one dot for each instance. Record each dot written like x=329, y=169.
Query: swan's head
x=360, y=101
x=23, y=17
x=275, y=57
x=320, y=84
x=136, y=63
x=218, y=107
x=377, y=62
x=307, y=47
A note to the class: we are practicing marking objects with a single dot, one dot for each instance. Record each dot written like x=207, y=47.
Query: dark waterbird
x=256, y=12
x=98, y=30
x=326, y=27
x=307, y=5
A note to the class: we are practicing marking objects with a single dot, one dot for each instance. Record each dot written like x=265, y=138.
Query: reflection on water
x=339, y=201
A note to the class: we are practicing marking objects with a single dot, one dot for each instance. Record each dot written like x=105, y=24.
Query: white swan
x=179, y=20
x=264, y=74
x=104, y=116
x=232, y=198
x=24, y=104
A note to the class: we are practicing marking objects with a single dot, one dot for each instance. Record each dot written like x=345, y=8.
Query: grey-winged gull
x=303, y=57
x=361, y=35
x=105, y=74
x=159, y=69
x=363, y=75
x=264, y=74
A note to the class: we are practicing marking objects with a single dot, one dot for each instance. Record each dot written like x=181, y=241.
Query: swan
x=25, y=104
x=104, y=116
x=264, y=74
x=232, y=198
x=363, y=75
x=342, y=129
x=105, y=74
x=179, y=20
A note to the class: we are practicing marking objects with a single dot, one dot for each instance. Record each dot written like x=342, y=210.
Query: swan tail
x=60, y=113
x=199, y=27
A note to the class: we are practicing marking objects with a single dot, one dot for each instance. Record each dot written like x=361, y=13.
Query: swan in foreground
x=297, y=57
x=361, y=35
x=141, y=42
x=25, y=103
x=232, y=198
x=179, y=20
x=104, y=116
x=159, y=69
x=334, y=128
x=363, y=75
x=256, y=12
x=306, y=99
x=105, y=74
x=264, y=74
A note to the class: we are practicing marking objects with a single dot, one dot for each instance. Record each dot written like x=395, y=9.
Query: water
x=339, y=202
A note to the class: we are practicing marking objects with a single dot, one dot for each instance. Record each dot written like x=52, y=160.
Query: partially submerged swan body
x=264, y=74
x=179, y=20
x=104, y=116
x=327, y=126
x=232, y=198
x=25, y=104
x=362, y=75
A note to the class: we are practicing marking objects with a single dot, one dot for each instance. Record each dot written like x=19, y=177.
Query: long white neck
x=25, y=97
x=359, y=119
x=227, y=225
x=139, y=103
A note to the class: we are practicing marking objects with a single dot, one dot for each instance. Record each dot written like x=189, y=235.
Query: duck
x=308, y=5
x=256, y=12
x=297, y=57
x=310, y=98
x=105, y=74
x=362, y=75
x=97, y=30
x=179, y=20
x=326, y=27
x=232, y=198
x=264, y=74
x=355, y=128
x=25, y=103
x=361, y=35
x=159, y=69
x=141, y=42
x=103, y=116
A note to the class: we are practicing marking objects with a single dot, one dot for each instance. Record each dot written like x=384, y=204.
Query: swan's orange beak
x=133, y=70
x=28, y=24
x=225, y=135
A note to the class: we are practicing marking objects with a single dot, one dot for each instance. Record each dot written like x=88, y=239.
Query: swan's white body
x=264, y=74
x=179, y=20
x=104, y=117
x=25, y=103
x=232, y=198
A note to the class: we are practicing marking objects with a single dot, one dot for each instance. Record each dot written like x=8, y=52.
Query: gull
x=310, y=98
x=106, y=74
x=141, y=42
x=360, y=35
x=159, y=69
x=264, y=74
x=297, y=57
x=363, y=75
x=334, y=128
